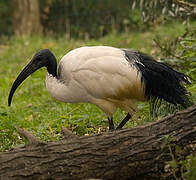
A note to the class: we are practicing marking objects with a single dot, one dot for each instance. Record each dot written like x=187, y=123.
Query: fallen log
x=141, y=152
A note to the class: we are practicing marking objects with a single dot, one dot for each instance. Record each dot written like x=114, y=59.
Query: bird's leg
x=124, y=121
x=111, y=124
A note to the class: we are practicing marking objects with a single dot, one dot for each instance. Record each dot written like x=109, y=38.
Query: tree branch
x=138, y=153
x=32, y=140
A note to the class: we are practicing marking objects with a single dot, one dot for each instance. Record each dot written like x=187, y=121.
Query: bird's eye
x=38, y=58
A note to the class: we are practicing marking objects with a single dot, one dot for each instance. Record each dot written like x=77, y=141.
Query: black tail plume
x=161, y=81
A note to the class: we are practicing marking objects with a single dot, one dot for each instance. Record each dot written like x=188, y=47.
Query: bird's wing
x=109, y=77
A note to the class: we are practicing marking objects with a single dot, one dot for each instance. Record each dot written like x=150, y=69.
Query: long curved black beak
x=27, y=71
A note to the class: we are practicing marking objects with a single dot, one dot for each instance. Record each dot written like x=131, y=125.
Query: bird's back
x=79, y=56
x=103, y=71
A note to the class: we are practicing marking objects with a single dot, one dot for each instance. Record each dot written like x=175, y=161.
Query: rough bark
x=137, y=153
x=26, y=17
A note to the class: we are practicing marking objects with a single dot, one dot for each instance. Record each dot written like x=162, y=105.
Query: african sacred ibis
x=108, y=77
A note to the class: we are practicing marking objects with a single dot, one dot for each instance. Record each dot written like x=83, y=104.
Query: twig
x=32, y=140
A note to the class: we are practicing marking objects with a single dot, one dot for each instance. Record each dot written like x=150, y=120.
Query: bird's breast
x=65, y=92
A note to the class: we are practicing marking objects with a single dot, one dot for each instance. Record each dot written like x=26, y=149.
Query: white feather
x=100, y=75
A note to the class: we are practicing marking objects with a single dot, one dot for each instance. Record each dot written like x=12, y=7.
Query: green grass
x=36, y=111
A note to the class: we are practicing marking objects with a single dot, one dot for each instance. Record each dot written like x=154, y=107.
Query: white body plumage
x=100, y=75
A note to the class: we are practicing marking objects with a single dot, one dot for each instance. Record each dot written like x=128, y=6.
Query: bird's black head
x=42, y=58
x=45, y=58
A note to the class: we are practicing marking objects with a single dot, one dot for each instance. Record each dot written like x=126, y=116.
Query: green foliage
x=181, y=47
x=190, y=165
x=93, y=19
x=87, y=18
x=78, y=18
x=179, y=166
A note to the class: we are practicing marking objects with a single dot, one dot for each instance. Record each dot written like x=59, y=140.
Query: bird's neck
x=52, y=66
x=57, y=89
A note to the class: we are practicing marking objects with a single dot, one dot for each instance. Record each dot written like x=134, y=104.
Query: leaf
x=173, y=164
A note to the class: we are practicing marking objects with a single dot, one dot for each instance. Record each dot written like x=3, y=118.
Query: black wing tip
x=161, y=81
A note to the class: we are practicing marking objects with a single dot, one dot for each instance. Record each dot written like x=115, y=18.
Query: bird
x=108, y=77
